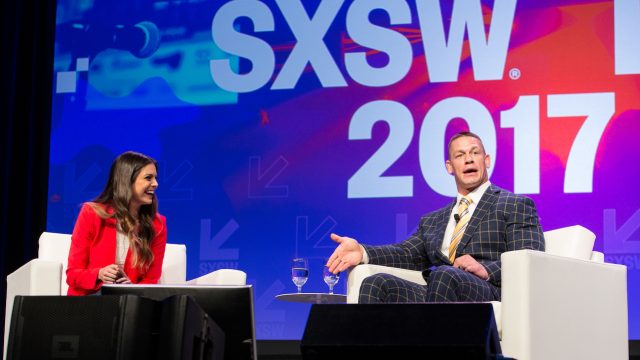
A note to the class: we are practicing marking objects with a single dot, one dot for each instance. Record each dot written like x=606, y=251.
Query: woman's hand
x=109, y=274
x=122, y=277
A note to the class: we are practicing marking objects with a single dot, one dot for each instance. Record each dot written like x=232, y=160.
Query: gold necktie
x=463, y=220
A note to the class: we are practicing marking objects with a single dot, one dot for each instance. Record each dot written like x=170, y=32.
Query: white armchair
x=46, y=275
x=564, y=303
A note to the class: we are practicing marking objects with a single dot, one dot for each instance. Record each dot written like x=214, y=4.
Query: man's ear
x=447, y=164
x=487, y=161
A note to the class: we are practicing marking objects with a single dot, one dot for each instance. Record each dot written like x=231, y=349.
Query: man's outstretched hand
x=348, y=253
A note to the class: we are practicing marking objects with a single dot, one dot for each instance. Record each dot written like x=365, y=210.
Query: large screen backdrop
x=276, y=123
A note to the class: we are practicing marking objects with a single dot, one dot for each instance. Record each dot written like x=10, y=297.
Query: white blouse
x=122, y=247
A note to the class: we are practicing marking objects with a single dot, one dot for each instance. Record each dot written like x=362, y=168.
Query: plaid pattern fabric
x=386, y=288
x=501, y=222
x=446, y=284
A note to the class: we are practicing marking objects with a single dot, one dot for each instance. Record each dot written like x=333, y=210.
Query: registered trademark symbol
x=514, y=74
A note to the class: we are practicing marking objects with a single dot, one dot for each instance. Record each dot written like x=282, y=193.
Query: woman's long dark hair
x=117, y=195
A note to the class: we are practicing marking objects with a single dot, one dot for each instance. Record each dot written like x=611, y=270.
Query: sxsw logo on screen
x=622, y=239
x=212, y=255
x=442, y=52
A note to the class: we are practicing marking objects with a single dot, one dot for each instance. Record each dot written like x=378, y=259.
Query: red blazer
x=93, y=246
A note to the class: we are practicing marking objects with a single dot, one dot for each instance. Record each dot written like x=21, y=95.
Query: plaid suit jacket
x=502, y=221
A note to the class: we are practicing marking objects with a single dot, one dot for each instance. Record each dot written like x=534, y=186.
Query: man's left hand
x=469, y=264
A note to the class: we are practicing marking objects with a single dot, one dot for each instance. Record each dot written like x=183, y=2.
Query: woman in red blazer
x=119, y=238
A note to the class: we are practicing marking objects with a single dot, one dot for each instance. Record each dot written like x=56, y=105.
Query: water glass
x=330, y=278
x=299, y=272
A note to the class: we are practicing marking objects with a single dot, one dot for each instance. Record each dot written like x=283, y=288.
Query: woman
x=119, y=238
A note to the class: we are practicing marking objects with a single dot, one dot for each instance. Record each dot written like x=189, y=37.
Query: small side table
x=314, y=298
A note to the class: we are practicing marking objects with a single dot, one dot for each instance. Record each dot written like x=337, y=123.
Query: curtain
x=28, y=28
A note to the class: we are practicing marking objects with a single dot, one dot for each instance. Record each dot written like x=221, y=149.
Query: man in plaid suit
x=457, y=247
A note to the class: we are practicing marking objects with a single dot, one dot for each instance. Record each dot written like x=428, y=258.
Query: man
x=458, y=247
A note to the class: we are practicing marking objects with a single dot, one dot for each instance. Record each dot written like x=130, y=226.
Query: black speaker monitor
x=93, y=327
x=401, y=331
x=231, y=307
x=112, y=327
x=187, y=332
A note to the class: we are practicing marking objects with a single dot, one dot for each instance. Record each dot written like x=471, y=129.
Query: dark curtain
x=28, y=28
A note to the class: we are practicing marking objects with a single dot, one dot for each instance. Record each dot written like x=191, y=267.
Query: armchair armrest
x=553, y=306
x=221, y=277
x=37, y=277
x=358, y=273
x=597, y=256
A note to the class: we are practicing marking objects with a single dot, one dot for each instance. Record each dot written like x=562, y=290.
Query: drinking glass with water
x=299, y=272
x=330, y=278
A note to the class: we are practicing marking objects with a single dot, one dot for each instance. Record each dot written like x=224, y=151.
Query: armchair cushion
x=573, y=241
x=174, y=265
x=55, y=247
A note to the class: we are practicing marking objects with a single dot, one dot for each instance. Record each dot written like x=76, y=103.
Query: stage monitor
x=231, y=307
x=187, y=332
x=87, y=327
x=399, y=331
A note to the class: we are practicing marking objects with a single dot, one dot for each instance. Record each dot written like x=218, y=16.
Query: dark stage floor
x=290, y=350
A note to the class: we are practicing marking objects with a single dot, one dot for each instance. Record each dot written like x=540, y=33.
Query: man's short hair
x=463, y=134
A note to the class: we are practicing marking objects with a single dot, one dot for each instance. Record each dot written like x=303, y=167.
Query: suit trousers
x=444, y=284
